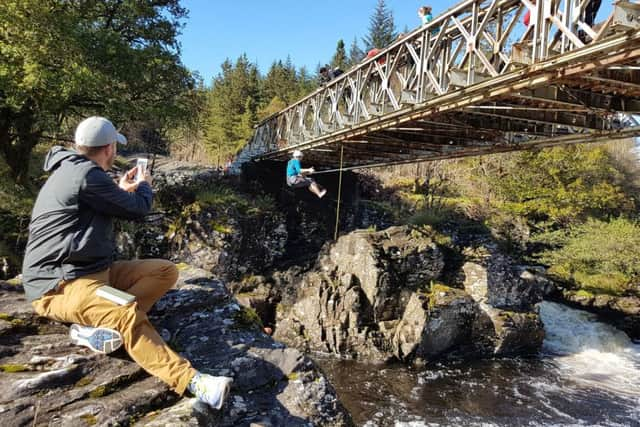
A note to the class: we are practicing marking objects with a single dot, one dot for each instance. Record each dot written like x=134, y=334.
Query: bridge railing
x=473, y=41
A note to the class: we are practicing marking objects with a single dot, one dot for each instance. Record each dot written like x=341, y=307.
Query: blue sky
x=305, y=30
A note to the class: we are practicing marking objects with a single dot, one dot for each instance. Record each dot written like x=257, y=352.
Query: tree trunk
x=17, y=139
x=17, y=156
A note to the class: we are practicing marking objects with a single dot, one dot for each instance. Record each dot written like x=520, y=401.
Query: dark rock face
x=372, y=295
x=48, y=381
x=508, y=322
x=435, y=323
x=246, y=245
x=228, y=239
x=358, y=293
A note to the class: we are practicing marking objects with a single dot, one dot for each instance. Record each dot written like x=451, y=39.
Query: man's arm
x=307, y=171
x=103, y=195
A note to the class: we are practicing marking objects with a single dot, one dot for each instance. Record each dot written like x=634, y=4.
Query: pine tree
x=306, y=83
x=280, y=82
x=339, y=59
x=355, y=53
x=382, y=29
x=232, y=108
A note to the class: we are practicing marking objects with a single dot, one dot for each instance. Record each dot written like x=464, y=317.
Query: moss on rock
x=247, y=318
x=11, y=368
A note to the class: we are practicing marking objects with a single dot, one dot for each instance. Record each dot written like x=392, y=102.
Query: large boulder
x=497, y=330
x=331, y=316
x=353, y=300
x=388, y=266
x=375, y=296
x=434, y=323
x=48, y=381
x=495, y=278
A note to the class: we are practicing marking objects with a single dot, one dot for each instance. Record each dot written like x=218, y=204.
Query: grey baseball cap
x=96, y=132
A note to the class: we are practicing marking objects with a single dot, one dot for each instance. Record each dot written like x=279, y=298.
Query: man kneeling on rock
x=69, y=258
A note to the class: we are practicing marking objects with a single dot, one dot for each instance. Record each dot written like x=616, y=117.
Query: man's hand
x=127, y=182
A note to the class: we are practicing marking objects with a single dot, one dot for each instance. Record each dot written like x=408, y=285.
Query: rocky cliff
x=379, y=296
x=400, y=293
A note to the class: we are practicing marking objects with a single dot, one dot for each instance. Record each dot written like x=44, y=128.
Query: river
x=588, y=374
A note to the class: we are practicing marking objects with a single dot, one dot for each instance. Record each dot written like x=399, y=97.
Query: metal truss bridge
x=473, y=81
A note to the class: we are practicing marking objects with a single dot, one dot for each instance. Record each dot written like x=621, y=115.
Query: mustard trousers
x=75, y=301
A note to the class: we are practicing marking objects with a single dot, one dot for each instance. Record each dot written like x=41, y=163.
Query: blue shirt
x=427, y=18
x=293, y=167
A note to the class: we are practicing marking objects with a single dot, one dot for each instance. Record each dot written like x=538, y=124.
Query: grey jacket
x=70, y=234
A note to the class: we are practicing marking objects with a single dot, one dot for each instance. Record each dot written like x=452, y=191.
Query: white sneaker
x=100, y=340
x=209, y=389
x=322, y=193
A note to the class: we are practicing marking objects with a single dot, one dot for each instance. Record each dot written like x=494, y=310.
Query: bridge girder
x=461, y=86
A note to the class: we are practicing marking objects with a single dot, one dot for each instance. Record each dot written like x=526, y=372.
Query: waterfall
x=590, y=352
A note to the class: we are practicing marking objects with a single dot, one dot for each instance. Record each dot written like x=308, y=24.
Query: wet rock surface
x=48, y=381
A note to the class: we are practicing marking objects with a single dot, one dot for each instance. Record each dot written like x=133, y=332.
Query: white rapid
x=588, y=374
x=591, y=352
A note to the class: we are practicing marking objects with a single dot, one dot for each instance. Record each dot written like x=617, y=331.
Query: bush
x=563, y=185
x=601, y=257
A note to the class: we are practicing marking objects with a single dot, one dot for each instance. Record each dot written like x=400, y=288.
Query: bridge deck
x=473, y=81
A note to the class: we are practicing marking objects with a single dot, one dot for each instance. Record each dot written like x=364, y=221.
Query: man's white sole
x=99, y=340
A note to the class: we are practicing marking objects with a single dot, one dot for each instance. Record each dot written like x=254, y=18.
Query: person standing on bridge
x=69, y=260
x=327, y=74
x=297, y=177
x=424, y=13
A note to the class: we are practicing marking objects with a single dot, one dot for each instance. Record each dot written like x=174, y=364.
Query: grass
x=428, y=217
x=602, y=257
x=608, y=284
x=220, y=227
x=225, y=197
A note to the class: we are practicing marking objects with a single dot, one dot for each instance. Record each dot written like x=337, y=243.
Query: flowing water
x=587, y=375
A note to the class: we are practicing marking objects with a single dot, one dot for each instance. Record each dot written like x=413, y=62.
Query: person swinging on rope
x=297, y=177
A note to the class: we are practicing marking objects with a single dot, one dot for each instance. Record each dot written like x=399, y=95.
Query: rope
x=335, y=234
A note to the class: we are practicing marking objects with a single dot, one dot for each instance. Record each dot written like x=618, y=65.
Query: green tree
x=601, y=257
x=339, y=59
x=232, y=108
x=306, y=83
x=281, y=82
x=275, y=105
x=382, y=29
x=187, y=135
x=554, y=187
x=61, y=59
x=355, y=53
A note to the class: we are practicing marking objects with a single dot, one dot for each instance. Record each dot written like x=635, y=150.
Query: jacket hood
x=57, y=155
